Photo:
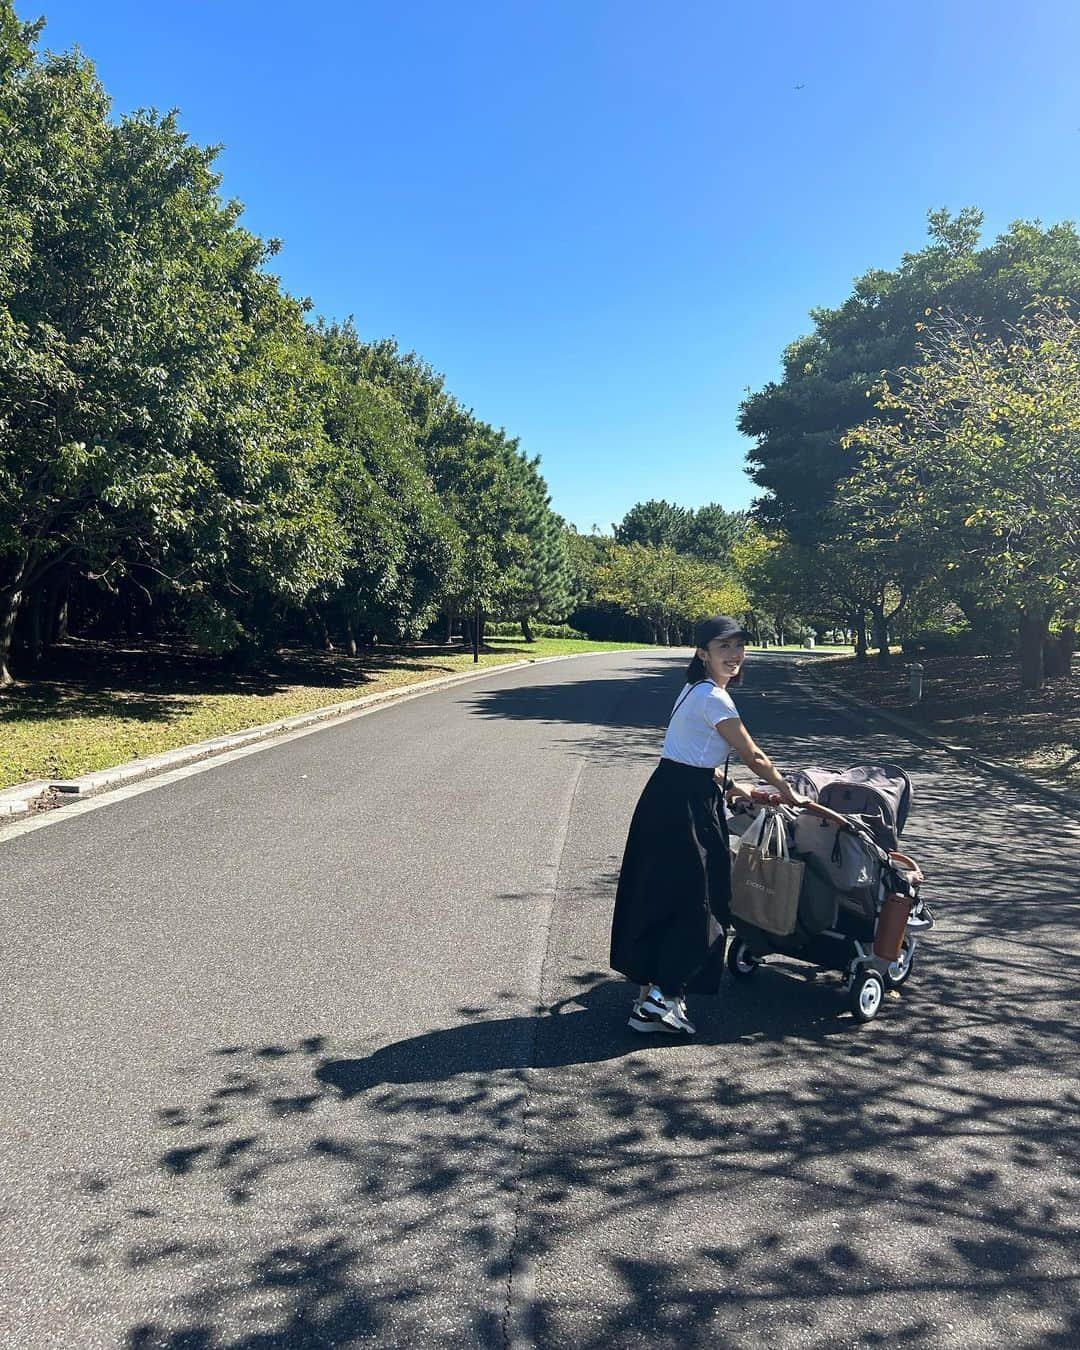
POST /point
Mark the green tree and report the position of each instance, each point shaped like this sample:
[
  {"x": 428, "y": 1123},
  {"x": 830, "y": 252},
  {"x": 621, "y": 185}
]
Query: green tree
[
  {"x": 799, "y": 422},
  {"x": 802, "y": 458},
  {"x": 771, "y": 575},
  {"x": 54, "y": 130},
  {"x": 540, "y": 583},
  {"x": 585, "y": 555},
  {"x": 172, "y": 428},
  {"x": 656, "y": 524},
  {"x": 670, "y": 591},
  {"x": 472, "y": 469},
  {"x": 159, "y": 412},
  {"x": 974, "y": 467},
  {"x": 401, "y": 547},
  {"x": 511, "y": 551},
  {"x": 712, "y": 533}
]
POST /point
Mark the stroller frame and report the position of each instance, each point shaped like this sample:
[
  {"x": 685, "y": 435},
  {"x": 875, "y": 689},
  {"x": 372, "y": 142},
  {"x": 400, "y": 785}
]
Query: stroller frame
[{"x": 847, "y": 946}]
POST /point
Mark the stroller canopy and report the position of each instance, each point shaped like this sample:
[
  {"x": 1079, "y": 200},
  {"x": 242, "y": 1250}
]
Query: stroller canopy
[{"x": 867, "y": 790}]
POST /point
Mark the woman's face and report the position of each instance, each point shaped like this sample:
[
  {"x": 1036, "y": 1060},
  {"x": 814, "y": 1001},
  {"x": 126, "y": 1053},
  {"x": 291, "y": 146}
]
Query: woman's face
[{"x": 723, "y": 657}]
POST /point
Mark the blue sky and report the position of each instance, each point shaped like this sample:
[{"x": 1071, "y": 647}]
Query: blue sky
[{"x": 603, "y": 219}]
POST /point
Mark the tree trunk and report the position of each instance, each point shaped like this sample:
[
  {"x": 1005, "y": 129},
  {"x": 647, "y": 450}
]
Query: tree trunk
[
  {"x": 351, "y": 637},
  {"x": 526, "y": 628},
  {"x": 1033, "y": 635},
  {"x": 11, "y": 599},
  {"x": 881, "y": 638},
  {"x": 321, "y": 629},
  {"x": 1056, "y": 655},
  {"x": 862, "y": 652},
  {"x": 54, "y": 614},
  {"x": 449, "y": 626},
  {"x": 1058, "y": 648},
  {"x": 34, "y": 644},
  {"x": 472, "y": 629},
  {"x": 9, "y": 615}
]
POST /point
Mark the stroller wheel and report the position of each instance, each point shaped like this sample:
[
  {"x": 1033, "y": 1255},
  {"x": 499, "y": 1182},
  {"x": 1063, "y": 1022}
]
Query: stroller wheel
[
  {"x": 866, "y": 995},
  {"x": 741, "y": 961},
  {"x": 900, "y": 969}
]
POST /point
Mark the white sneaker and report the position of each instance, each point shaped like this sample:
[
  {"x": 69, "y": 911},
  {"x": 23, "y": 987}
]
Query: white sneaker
[
  {"x": 680, "y": 1005},
  {"x": 657, "y": 1012}
]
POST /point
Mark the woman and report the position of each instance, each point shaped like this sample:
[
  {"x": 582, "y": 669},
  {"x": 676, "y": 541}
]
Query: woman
[{"x": 668, "y": 930}]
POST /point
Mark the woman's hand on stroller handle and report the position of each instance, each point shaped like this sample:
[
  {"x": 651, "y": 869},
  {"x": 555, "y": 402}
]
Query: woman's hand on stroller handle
[{"x": 769, "y": 796}]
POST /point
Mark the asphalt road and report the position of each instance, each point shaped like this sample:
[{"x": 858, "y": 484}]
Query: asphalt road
[{"x": 319, "y": 1048}]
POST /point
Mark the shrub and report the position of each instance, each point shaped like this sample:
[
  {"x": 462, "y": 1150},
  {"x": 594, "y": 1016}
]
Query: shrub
[
  {"x": 959, "y": 640},
  {"x": 540, "y": 630}
]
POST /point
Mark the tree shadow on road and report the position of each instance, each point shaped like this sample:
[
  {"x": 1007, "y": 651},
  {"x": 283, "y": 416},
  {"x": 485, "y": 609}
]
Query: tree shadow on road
[
  {"x": 899, "y": 1176},
  {"x": 789, "y": 1178},
  {"x": 587, "y": 1028},
  {"x": 625, "y": 700},
  {"x": 628, "y": 710}
]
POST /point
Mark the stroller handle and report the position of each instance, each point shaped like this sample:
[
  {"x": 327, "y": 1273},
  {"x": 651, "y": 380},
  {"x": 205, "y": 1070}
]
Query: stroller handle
[
  {"x": 906, "y": 864},
  {"x": 767, "y": 797},
  {"x": 770, "y": 798}
]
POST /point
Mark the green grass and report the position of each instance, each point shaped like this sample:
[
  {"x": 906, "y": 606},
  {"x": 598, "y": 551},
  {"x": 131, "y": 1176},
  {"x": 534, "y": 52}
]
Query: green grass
[{"x": 97, "y": 706}]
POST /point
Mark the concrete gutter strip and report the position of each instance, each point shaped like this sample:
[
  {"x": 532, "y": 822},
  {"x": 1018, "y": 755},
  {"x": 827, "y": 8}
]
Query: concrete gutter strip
[
  {"x": 1067, "y": 801},
  {"x": 23, "y": 800},
  {"x": 16, "y": 801}
]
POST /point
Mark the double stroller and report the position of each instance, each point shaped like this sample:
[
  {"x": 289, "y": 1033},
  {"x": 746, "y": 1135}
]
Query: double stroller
[{"x": 858, "y": 909}]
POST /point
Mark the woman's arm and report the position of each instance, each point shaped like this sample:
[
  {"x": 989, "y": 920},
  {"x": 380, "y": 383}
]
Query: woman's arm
[{"x": 756, "y": 760}]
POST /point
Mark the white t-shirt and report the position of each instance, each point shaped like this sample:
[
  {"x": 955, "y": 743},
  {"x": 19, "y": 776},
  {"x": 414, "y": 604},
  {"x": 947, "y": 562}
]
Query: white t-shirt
[{"x": 692, "y": 737}]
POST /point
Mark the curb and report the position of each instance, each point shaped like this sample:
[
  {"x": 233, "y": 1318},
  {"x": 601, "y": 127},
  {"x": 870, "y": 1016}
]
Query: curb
[
  {"x": 18, "y": 801},
  {"x": 49, "y": 794},
  {"x": 1066, "y": 801}
]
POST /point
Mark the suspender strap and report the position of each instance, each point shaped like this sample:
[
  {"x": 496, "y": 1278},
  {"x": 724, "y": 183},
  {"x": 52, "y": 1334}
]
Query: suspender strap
[
  {"x": 682, "y": 699},
  {"x": 686, "y": 694}
]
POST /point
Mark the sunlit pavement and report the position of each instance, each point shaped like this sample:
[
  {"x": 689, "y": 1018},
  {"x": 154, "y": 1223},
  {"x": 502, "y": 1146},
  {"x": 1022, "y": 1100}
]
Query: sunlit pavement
[{"x": 319, "y": 1048}]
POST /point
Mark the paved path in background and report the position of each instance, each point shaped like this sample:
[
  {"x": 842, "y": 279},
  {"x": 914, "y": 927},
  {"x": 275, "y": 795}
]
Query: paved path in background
[{"x": 319, "y": 1048}]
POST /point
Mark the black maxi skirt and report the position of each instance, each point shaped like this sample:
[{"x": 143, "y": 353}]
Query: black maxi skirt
[{"x": 672, "y": 904}]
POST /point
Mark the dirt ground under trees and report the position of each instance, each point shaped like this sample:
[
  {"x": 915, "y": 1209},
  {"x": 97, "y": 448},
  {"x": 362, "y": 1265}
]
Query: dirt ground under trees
[{"x": 976, "y": 701}]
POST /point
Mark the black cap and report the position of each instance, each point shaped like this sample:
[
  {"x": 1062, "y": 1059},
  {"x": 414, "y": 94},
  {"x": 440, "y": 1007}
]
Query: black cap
[{"x": 719, "y": 626}]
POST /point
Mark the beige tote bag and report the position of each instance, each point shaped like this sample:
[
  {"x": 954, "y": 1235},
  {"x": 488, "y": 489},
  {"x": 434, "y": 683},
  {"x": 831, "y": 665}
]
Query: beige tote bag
[{"x": 765, "y": 881}]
